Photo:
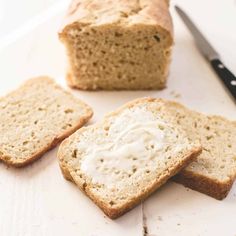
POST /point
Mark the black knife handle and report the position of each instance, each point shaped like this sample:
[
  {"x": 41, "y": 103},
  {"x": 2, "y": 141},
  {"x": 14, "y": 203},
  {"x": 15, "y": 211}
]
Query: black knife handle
[{"x": 225, "y": 75}]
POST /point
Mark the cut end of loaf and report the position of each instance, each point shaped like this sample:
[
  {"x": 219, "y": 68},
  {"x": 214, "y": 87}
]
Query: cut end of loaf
[
  {"x": 118, "y": 45},
  {"x": 118, "y": 58}
]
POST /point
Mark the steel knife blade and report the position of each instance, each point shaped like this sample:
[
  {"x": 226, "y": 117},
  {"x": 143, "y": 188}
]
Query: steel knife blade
[{"x": 226, "y": 76}]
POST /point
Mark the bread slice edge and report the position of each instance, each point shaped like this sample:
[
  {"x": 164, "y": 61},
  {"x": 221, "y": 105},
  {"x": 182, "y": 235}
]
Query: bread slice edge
[
  {"x": 211, "y": 187},
  {"x": 114, "y": 213}
]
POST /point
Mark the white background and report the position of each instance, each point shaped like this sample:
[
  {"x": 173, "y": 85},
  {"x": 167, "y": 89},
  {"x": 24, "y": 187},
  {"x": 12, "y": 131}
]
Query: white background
[{"x": 36, "y": 200}]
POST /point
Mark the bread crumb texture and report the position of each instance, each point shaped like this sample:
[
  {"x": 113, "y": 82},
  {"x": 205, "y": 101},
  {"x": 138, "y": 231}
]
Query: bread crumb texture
[
  {"x": 217, "y": 135},
  {"x": 35, "y": 117},
  {"x": 127, "y": 156},
  {"x": 214, "y": 170},
  {"x": 118, "y": 44}
]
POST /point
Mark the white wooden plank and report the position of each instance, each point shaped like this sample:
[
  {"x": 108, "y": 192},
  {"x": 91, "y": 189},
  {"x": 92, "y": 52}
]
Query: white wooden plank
[{"x": 176, "y": 210}]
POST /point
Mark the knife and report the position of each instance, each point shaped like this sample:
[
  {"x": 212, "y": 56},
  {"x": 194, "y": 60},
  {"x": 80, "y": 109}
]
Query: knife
[{"x": 227, "y": 77}]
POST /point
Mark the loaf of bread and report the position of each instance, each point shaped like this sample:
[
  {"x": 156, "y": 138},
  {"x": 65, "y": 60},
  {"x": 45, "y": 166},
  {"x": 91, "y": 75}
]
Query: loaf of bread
[
  {"x": 35, "y": 117},
  {"x": 214, "y": 170},
  {"x": 132, "y": 152},
  {"x": 118, "y": 45}
]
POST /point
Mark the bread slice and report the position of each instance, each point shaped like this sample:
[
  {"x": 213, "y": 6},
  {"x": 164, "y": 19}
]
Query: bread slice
[
  {"x": 214, "y": 170},
  {"x": 35, "y": 117},
  {"x": 123, "y": 159},
  {"x": 114, "y": 45}
]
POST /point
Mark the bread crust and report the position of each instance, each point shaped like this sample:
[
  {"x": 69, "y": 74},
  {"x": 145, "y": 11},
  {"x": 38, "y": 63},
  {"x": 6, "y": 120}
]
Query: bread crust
[
  {"x": 153, "y": 11},
  {"x": 84, "y": 119},
  {"x": 69, "y": 80},
  {"x": 110, "y": 211},
  {"x": 53, "y": 144},
  {"x": 200, "y": 183},
  {"x": 73, "y": 85},
  {"x": 114, "y": 213}
]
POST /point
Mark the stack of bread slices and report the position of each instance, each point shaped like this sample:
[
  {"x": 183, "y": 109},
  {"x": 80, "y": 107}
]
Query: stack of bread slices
[{"x": 137, "y": 148}]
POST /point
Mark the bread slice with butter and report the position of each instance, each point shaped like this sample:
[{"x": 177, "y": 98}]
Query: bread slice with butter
[
  {"x": 123, "y": 159},
  {"x": 35, "y": 117},
  {"x": 214, "y": 170}
]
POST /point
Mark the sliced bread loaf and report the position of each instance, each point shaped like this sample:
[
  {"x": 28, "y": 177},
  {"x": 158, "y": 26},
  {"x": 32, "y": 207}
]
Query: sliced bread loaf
[
  {"x": 35, "y": 117},
  {"x": 127, "y": 156},
  {"x": 214, "y": 170},
  {"x": 118, "y": 44}
]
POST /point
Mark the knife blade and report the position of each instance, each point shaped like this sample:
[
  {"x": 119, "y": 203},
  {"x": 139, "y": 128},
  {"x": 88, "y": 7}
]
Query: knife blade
[{"x": 226, "y": 76}]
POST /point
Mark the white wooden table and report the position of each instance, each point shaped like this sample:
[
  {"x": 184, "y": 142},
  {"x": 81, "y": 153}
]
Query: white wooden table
[{"x": 37, "y": 200}]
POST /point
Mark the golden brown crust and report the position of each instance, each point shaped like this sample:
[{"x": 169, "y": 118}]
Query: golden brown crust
[
  {"x": 89, "y": 113},
  {"x": 71, "y": 84},
  {"x": 69, "y": 80},
  {"x": 107, "y": 12},
  {"x": 211, "y": 187}
]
